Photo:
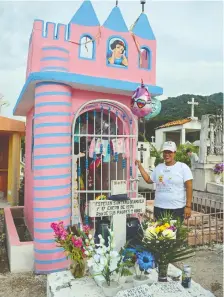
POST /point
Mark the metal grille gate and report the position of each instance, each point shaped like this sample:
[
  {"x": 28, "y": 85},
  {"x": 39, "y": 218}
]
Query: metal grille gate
[{"x": 104, "y": 145}]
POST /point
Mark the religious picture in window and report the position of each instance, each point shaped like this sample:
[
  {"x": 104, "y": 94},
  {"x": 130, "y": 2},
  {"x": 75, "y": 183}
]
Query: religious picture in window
[{"x": 117, "y": 52}]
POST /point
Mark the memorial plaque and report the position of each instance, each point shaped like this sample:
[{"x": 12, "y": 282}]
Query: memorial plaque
[
  {"x": 118, "y": 187},
  {"x": 141, "y": 291},
  {"x": 104, "y": 208}
]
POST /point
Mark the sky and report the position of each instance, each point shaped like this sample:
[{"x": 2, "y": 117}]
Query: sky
[{"x": 189, "y": 38}]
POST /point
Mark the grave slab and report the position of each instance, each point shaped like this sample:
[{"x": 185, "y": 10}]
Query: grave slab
[{"x": 63, "y": 284}]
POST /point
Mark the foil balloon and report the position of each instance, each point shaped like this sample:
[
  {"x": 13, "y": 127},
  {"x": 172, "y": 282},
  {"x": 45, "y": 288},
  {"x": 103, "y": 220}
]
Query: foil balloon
[
  {"x": 141, "y": 103},
  {"x": 156, "y": 108}
]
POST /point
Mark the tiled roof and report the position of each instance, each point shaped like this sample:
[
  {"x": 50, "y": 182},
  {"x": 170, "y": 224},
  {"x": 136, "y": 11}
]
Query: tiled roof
[{"x": 175, "y": 123}]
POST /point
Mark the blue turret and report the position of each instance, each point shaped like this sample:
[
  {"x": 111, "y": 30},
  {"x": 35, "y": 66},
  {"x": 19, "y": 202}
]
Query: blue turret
[
  {"x": 85, "y": 15},
  {"x": 142, "y": 28},
  {"x": 115, "y": 21}
]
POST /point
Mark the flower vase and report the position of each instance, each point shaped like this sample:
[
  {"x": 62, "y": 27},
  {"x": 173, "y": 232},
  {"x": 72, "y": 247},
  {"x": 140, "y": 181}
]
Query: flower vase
[
  {"x": 217, "y": 178},
  {"x": 142, "y": 280},
  {"x": 78, "y": 268},
  {"x": 126, "y": 282},
  {"x": 112, "y": 289},
  {"x": 162, "y": 272}
]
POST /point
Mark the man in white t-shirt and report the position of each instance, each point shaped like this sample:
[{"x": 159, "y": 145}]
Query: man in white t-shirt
[{"x": 173, "y": 184}]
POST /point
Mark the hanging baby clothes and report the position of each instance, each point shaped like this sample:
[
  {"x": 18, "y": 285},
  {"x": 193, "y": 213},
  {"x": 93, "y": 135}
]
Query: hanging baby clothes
[
  {"x": 121, "y": 146},
  {"x": 99, "y": 146}
]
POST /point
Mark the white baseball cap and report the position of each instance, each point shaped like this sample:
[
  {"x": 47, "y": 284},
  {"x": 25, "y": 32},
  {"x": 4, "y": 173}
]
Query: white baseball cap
[{"x": 169, "y": 146}]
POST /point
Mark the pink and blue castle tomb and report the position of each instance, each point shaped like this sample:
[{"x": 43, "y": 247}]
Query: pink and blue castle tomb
[{"x": 80, "y": 131}]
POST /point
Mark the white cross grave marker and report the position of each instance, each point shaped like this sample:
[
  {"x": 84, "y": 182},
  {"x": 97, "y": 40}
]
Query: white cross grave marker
[
  {"x": 152, "y": 137},
  {"x": 192, "y": 103},
  {"x": 118, "y": 210}
]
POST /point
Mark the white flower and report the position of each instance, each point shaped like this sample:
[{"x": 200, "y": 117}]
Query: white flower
[
  {"x": 100, "y": 236},
  {"x": 98, "y": 268},
  {"x": 90, "y": 262},
  {"x": 86, "y": 253},
  {"x": 113, "y": 245},
  {"x": 86, "y": 240},
  {"x": 92, "y": 242},
  {"x": 114, "y": 254},
  {"x": 103, "y": 261},
  {"x": 150, "y": 233},
  {"x": 90, "y": 236},
  {"x": 99, "y": 251},
  {"x": 102, "y": 241},
  {"x": 113, "y": 264},
  {"x": 173, "y": 222},
  {"x": 168, "y": 233}
]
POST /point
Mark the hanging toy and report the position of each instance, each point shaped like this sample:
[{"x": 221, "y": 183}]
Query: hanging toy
[{"x": 141, "y": 103}]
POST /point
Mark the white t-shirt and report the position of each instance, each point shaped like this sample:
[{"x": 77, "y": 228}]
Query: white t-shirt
[{"x": 170, "y": 188}]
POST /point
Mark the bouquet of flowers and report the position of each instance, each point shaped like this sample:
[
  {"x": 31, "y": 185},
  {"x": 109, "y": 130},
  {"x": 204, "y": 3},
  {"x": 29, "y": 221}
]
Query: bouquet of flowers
[
  {"x": 104, "y": 260},
  {"x": 218, "y": 169},
  {"x": 72, "y": 240},
  {"x": 166, "y": 240},
  {"x": 101, "y": 197}
]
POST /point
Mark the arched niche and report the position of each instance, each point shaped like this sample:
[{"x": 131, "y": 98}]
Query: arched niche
[
  {"x": 145, "y": 57},
  {"x": 87, "y": 47}
]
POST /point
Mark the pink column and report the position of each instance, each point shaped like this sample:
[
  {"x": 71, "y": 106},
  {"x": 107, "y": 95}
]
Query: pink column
[{"x": 52, "y": 172}]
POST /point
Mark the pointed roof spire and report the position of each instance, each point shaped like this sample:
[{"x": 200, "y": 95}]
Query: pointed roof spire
[
  {"x": 142, "y": 28},
  {"x": 85, "y": 15},
  {"x": 115, "y": 21}
]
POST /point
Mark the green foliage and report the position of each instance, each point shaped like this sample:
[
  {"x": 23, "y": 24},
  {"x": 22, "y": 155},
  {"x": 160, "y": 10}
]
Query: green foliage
[
  {"x": 157, "y": 154},
  {"x": 181, "y": 154},
  {"x": 22, "y": 192},
  {"x": 171, "y": 110},
  {"x": 168, "y": 250}
]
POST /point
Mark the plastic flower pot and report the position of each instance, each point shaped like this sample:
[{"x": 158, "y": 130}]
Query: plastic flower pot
[
  {"x": 143, "y": 280},
  {"x": 162, "y": 272},
  {"x": 78, "y": 268},
  {"x": 218, "y": 178},
  {"x": 126, "y": 282},
  {"x": 112, "y": 290}
]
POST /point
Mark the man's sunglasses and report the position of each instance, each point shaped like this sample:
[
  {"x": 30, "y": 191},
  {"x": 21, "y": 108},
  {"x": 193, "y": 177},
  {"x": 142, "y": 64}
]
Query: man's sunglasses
[{"x": 140, "y": 102}]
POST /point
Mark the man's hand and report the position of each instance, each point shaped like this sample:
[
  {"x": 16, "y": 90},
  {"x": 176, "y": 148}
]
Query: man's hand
[{"x": 187, "y": 212}]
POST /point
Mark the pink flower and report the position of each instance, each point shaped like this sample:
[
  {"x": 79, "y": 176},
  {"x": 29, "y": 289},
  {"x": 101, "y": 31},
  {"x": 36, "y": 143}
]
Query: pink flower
[
  {"x": 86, "y": 228},
  {"x": 77, "y": 241},
  {"x": 59, "y": 230}
]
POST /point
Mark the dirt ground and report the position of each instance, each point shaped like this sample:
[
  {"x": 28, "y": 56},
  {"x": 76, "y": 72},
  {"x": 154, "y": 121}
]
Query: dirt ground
[{"x": 207, "y": 270}]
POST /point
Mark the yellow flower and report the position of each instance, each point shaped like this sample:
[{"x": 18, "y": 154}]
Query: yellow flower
[
  {"x": 157, "y": 229},
  {"x": 162, "y": 228},
  {"x": 101, "y": 197},
  {"x": 167, "y": 225}
]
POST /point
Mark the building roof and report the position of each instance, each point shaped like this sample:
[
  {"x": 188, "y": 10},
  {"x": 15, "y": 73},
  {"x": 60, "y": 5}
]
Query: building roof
[
  {"x": 115, "y": 21},
  {"x": 142, "y": 28},
  {"x": 175, "y": 123},
  {"x": 85, "y": 15},
  {"x": 11, "y": 125}
]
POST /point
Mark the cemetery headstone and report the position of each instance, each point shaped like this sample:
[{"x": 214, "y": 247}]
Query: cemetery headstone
[{"x": 118, "y": 211}]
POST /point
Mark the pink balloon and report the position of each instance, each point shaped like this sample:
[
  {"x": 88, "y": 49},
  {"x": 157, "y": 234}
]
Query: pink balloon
[{"x": 141, "y": 103}]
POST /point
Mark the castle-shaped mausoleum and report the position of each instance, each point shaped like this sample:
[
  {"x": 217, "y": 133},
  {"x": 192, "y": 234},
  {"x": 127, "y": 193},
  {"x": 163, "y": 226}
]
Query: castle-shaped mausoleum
[{"x": 80, "y": 131}]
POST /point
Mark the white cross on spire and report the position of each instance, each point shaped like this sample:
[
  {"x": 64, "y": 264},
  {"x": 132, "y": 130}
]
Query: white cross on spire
[{"x": 192, "y": 103}]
